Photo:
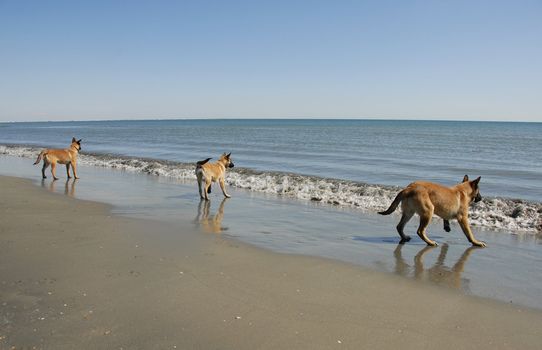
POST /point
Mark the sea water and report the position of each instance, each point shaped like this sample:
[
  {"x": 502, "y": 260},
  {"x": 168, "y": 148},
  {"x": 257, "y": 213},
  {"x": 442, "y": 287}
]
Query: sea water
[{"x": 359, "y": 164}]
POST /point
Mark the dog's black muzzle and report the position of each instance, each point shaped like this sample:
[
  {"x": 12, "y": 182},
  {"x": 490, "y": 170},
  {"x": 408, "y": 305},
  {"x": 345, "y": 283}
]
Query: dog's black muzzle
[
  {"x": 477, "y": 198},
  {"x": 231, "y": 165}
]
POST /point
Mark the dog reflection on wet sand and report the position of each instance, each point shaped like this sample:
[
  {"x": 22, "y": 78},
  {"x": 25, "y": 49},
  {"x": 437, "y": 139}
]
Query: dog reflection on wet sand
[
  {"x": 439, "y": 273},
  {"x": 208, "y": 223},
  {"x": 69, "y": 190}
]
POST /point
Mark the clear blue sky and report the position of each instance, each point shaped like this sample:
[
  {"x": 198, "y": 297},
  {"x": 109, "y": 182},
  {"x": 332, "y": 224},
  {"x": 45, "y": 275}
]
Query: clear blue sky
[{"x": 80, "y": 60}]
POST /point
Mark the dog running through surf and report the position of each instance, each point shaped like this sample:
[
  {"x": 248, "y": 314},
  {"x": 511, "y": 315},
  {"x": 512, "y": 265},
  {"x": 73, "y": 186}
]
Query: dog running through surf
[{"x": 207, "y": 173}]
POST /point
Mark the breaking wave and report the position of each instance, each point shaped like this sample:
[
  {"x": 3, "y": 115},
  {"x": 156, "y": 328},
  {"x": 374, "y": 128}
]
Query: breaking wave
[{"x": 492, "y": 212}]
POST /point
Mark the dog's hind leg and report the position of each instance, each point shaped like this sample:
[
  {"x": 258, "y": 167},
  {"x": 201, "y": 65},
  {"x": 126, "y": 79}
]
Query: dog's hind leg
[
  {"x": 207, "y": 188},
  {"x": 425, "y": 210},
  {"x": 199, "y": 178},
  {"x": 425, "y": 219},
  {"x": 68, "y": 170},
  {"x": 199, "y": 189},
  {"x": 407, "y": 215},
  {"x": 45, "y": 166}
]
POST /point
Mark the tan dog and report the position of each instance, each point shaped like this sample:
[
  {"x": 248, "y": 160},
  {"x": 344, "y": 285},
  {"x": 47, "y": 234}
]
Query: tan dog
[
  {"x": 207, "y": 173},
  {"x": 426, "y": 199},
  {"x": 66, "y": 156}
]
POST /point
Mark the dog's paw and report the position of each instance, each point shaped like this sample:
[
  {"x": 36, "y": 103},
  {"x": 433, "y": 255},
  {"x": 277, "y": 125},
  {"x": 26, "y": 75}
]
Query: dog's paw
[
  {"x": 404, "y": 240},
  {"x": 479, "y": 244},
  {"x": 432, "y": 243}
]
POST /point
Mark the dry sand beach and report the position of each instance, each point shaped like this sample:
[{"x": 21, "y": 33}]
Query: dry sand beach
[{"x": 75, "y": 276}]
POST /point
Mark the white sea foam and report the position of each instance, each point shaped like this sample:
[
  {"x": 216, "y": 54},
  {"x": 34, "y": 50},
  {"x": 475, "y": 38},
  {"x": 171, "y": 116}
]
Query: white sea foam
[{"x": 494, "y": 213}]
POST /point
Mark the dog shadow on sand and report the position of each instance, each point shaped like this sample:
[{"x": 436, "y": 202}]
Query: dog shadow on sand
[
  {"x": 210, "y": 223},
  {"x": 69, "y": 186},
  {"x": 438, "y": 273}
]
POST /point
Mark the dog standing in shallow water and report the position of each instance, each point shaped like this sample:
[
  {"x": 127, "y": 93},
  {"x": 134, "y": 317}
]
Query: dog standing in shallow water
[
  {"x": 426, "y": 199},
  {"x": 66, "y": 156},
  {"x": 208, "y": 173}
]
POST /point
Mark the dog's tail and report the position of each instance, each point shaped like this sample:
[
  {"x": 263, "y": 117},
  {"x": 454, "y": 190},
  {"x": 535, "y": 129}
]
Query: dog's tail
[
  {"x": 201, "y": 162},
  {"x": 394, "y": 204},
  {"x": 42, "y": 154}
]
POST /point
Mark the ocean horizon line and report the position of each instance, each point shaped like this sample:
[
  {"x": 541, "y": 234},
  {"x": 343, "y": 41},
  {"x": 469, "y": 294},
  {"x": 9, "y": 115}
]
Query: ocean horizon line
[{"x": 274, "y": 119}]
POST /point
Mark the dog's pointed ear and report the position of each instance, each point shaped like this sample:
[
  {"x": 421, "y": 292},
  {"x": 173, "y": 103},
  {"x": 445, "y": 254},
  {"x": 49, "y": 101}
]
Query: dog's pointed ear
[
  {"x": 73, "y": 140},
  {"x": 476, "y": 181},
  {"x": 79, "y": 141},
  {"x": 228, "y": 155},
  {"x": 465, "y": 178}
]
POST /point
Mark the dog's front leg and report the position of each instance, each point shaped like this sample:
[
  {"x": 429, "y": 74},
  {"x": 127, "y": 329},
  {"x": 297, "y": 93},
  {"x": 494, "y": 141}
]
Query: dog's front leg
[
  {"x": 223, "y": 187},
  {"x": 53, "y": 171},
  {"x": 464, "y": 223},
  {"x": 68, "y": 170},
  {"x": 74, "y": 170}
]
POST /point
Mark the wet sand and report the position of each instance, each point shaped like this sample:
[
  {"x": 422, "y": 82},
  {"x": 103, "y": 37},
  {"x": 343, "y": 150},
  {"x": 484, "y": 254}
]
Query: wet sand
[
  {"x": 75, "y": 276},
  {"x": 503, "y": 272}
]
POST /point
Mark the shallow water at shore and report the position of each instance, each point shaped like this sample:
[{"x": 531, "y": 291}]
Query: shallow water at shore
[
  {"x": 492, "y": 212},
  {"x": 507, "y": 270}
]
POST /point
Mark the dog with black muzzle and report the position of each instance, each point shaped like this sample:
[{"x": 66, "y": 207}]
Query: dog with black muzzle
[
  {"x": 426, "y": 199},
  {"x": 207, "y": 173},
  {"x": 66, "y": 156}
]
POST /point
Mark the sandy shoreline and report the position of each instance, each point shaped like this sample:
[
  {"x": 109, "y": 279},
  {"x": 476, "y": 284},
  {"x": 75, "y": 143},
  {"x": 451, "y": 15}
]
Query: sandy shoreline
[{"x": 73, "y": 276}]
